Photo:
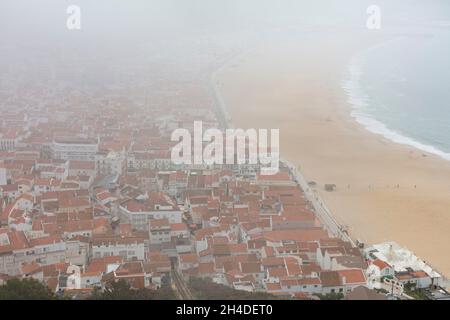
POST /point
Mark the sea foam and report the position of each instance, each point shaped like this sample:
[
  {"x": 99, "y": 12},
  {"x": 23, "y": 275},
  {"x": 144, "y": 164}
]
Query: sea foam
[{"x": 360, "y": 103}]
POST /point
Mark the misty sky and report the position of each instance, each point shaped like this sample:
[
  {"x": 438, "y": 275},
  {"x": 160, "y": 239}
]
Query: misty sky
[
  {"x": 121, "y": 19},
  {"x": 127, "y": 30}
]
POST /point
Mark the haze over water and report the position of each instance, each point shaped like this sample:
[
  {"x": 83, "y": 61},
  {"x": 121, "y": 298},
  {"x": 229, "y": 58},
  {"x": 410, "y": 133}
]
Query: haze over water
[{"x": 401, "y": 89}]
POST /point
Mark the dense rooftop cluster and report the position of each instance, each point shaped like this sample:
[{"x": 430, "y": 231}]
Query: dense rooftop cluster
[{"x": 89, "y": 195}]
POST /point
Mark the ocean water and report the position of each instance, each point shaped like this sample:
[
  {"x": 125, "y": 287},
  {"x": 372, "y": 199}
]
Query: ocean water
[{"x": 401, "y": 89}]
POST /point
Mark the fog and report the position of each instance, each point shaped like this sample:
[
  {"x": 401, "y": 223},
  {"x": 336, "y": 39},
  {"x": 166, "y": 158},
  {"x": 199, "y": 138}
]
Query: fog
[{"x": 144, "y": 32}]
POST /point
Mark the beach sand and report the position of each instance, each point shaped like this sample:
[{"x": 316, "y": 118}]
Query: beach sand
[{"x": 294, "y": 84}]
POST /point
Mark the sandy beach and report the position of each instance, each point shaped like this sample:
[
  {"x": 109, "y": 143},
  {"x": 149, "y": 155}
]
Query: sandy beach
[{"x": 385, "y": 191}]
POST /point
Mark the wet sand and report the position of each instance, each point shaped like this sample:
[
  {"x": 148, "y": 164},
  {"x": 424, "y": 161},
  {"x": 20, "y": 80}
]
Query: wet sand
[{"x": 385, "y": 191}]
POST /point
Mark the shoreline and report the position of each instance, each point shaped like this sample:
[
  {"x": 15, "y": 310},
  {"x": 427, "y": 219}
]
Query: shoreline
[
  {"x": 357, "y": 99},
  {"x": 353, "y": 154}
]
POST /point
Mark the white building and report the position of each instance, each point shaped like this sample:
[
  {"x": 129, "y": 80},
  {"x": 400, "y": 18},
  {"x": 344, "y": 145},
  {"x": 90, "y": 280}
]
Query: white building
[
  {"x": 77, "y": 252},
  {"x": 75, "y": 149},
  {"x": 139, "y": 214},
  {"x": 3, "y": 176},
  {"x": 129, "y": 248},
  {"x": 159, "y": 231},
  {"x": 111, "y": 163},
  {"x": 82, "y": 280},
  {"x": 48, "y": 250},
  {"x": 159, "y": 161},
  {"x": 15, "y": 250},
  {"x": 7, "y": 143},
  {"x": 404, "y": 261},
  {"x": 81, "y": 168}
]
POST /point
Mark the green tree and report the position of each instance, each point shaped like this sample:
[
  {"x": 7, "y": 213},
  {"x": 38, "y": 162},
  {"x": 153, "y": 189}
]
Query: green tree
[
  {"x": 121, "y": 290},
  {"x": 331, "y": 296},
  {"x": 206, "y": 289},
  {"x": 25, "y": 289}
]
